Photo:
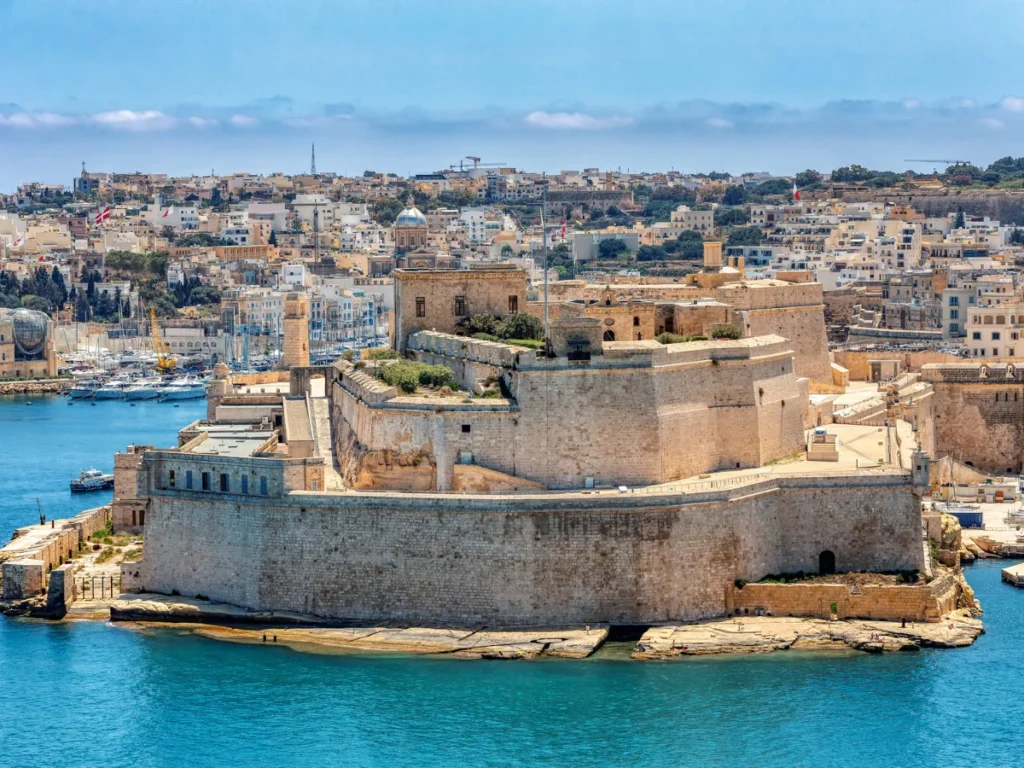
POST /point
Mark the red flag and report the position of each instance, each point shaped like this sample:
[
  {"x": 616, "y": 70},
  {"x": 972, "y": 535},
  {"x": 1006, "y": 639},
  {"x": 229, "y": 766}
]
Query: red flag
[
  {"x": 103, "y": 215},
  {"x": 796, "y": 193},
  {"x": 563, "y": 229}
]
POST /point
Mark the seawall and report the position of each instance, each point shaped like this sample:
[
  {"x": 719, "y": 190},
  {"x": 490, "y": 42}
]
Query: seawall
[{"x": 529, "y": 559}]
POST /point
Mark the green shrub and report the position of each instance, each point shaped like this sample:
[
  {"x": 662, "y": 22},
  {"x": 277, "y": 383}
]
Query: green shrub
[
  {"x": 485, "y": 337},
  {"x": 408, "y": 375},
  {"x": 530, "y": 343},
  {"x": 491, "y": 394},
  {"x": 382, "y": 354},
  {"x": 675, "y": 338},
  {"x": 520, "y": 325},
  {"x": 349, "y": 355},
  {"x": 726, "y": 332},
  {"x": 481, "y": 323}
]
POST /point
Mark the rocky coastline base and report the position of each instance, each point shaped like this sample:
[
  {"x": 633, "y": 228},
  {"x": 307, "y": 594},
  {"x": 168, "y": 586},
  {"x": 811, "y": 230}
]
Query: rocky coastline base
[{"x": 35, "y": 387}]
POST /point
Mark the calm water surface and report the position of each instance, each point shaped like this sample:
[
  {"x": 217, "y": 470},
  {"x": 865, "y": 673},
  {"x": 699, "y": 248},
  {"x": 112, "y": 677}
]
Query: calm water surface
[{"x": 89, "y": 694}]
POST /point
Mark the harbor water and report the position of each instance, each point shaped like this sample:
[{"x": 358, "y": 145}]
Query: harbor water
[{"x": 92, "y": 694}]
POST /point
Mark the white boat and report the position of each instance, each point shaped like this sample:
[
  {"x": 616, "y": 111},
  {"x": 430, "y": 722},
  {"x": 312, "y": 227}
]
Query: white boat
[
  {"x": 92, "y": 480},
  {"x": 112, "y": 390},
  {"x": 84, "y": 389},
  {"x": 146, "y": 389},
  {"x": 185, "y": 388}
]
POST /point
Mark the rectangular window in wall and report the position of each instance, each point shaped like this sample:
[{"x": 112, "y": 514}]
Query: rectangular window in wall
[
  {"x": 245, "y": 483},
  {"x": 263, "y": 485},
  {"x": 188, "y": 479},
  {"x": 225, "y": 485},
  {"x": 513, "y": 303},
  {"x": 460, "y": 306},
  {"x": 170, "y": 478},
  {"x": 421, "y": 306},
  {"x": 206, "y": 481}
]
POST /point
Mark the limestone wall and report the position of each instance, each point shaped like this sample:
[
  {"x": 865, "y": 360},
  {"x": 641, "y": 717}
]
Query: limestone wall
[
  {"x": 539, "y": 559},
  {"x": 928, "y": 602}
]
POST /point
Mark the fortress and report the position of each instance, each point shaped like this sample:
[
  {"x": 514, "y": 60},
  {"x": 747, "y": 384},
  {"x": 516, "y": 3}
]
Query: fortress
[{"x": 591, "y": 481}]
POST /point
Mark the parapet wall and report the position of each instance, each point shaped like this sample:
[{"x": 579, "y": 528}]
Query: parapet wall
[{"x": 524, "y": 559}]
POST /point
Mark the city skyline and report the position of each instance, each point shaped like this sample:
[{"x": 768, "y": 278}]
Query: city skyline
[{"x": 777, "y": 87}]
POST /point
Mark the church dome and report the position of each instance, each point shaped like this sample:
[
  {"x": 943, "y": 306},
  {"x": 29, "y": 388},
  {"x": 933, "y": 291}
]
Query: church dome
[{"x": 411, "y": 217}]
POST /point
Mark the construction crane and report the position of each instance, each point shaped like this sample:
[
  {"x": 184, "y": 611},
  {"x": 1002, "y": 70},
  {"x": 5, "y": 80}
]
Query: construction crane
[
  {"x": 164, "y": 363},
  {"x": 947, "y": 162},
  {"x": 476, "y": 164}
]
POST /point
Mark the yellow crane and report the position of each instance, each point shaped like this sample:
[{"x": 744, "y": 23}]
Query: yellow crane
[{"x": 164, "y": 363}]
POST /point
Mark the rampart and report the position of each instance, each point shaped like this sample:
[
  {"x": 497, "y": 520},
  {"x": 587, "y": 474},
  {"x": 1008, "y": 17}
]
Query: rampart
[
  {"x": 979, "y": 414},
  {"x": 633, "y": 413},
  {"x": 670, "y": 554}
]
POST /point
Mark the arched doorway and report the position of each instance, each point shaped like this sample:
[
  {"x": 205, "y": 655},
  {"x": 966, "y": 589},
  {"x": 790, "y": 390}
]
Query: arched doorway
[
  {"x": 609, "y": 335},
  {"x": 826, "y": 563}
]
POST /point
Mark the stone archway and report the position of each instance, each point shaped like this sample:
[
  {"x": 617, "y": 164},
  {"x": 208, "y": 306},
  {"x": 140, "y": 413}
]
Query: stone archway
[
  {"x": 826, "y": 563},
  {"x": 609, "y": 335}
]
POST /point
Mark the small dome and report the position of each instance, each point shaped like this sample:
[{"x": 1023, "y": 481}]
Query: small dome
[
  {"x": 411, "y": 217},
  {"x": 29, "y": 330}
]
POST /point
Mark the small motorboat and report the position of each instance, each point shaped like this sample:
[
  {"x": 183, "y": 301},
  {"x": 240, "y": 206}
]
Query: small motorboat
[
  {"x": 92, "y": 480},
  {"x": 84, "y": 389}
]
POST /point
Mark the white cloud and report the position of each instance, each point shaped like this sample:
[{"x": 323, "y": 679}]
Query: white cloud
[
  {"x": 575, "y": 121},
  {"x": 201, "y": 122},
  {"x": 1012, "y": 104},
  {"x": 36, "y": 120},
  {"x": 129, "y": 120},
  {"x": 719, "y": 122},
  {"x": 909, "y": 104},
  {"x": 991, "y": 122},
  {"x": 243, "y": 121}
]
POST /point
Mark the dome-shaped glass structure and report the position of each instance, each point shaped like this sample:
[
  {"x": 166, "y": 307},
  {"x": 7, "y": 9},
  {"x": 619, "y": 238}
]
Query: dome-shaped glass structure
[{"x": 29, "y": 331}]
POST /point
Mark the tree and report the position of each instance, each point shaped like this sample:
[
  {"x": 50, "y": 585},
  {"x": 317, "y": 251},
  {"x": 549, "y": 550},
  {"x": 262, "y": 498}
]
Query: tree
[
  {"x": 807, "y": 178},
  {"x": 734, "y": 195},
  {"x": 1017, "y": 236},
  {"x": 745, "y": 236},
  {"x": 731, "y": 217},
  {"x": 37, "y": 303},
  {"x": 273, "y": 238},
  {"x": 482, "y": 323},
  {"x": 726, "y": 332},
  {"x": 773, "y": 187},
  {"x": 959, "y": 222},
  {"x": 520, "y": 325},
  {"x": 651, "y": 253},
  {"x": 851, "y": 174},
  {"x": 612, "y": 248}
]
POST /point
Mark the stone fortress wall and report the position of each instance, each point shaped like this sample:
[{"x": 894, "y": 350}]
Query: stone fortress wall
[
  {"x": 636, "y": 413},
  {"x": 979, "y": 414},
  {"x": 527, "y": 559}
]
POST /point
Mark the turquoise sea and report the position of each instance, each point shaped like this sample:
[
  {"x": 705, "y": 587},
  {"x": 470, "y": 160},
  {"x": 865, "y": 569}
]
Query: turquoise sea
[{"x": 87, "y": 694}]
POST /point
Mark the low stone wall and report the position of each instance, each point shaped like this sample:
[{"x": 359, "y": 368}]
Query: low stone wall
[
  {"x": 22, "y": 578},
  {"x": 926, "y": 602},
  {"x": 35, "y": 387},
  {"x": 61, "y": 592},
  {"x": 265, "y": 377}
]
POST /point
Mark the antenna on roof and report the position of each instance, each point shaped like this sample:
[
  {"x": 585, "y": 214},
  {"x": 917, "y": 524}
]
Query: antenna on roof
[{"x": 312, "y": 160}]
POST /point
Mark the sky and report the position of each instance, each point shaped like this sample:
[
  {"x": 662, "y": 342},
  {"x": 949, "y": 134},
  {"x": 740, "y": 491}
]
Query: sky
[{"x": 410, "y": 87}]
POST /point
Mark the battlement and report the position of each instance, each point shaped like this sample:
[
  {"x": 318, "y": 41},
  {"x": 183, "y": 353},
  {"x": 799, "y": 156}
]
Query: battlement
[{"x": 973, "y": 373}]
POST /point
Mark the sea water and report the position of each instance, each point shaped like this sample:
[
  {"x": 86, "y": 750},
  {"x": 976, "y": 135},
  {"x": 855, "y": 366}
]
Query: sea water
[{"x": 89, "y": 694}]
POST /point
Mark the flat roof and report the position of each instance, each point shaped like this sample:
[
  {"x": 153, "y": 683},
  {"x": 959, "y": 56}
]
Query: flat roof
[{"x": 236, "y": 440}]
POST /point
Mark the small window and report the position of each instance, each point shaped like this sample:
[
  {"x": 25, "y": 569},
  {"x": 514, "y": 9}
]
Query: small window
[
  {"x": 245, "y": 483},
  {"x": 460, "y": 306},
  {"x": 225, "y": 485},
  {"x": 421, "y": 306},
  {"x": 206, "y": 481},
  {"x": 263, "y": 485},
  {"x": 513, "y": 303},
  {"x": 466, "y": 429},
  {"x": 170, "y": 478},
  {"x": 188, "y": 479}
]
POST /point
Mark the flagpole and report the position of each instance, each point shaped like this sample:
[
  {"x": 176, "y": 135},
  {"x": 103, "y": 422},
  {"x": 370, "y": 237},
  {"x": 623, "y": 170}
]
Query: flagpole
[{"x": 544, "y": 235}]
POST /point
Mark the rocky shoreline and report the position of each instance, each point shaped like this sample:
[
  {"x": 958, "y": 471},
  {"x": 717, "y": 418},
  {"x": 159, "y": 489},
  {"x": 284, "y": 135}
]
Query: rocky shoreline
[
  {"x": 727, "y": 636},
  {"x": 36, "y": 387}
]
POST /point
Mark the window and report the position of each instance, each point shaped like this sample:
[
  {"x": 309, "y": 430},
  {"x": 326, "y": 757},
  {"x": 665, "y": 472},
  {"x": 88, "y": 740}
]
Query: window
[
  {"x": 954, "y": 314},
  {"x": 224, "y": 484},
  {"x": 421, "y": 306},
  {"x": 995, "y": 335},
  {"x": 976, "y": 335},
  {"x": 245, "y": 483},
  {"x": 460, "y": 306},
  {"x": 188, "y": 479},
  {"x": 263, "y": 485},
  {"x": 170, "y": 478},
  {"x": 467, "y": 428},
  {"x": 954, "y": 301},
  {"x": 954, "y": 327},
  {"x": 206, "y": 481},
  {"x": 513, "y": 303}
]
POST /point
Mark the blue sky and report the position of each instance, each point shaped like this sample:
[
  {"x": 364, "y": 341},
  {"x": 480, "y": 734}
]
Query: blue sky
[{"x": 777, "y": 85}]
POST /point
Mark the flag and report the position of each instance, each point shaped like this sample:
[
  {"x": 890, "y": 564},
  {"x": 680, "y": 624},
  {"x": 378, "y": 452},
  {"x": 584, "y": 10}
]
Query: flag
[
  {"x": 563, "y": 229},
  {"x": 796, "y": 193},
  {"x": 167, "y": 212},
  {"x": 19, "y": 242},
  {"x": 103, "y": 215}
]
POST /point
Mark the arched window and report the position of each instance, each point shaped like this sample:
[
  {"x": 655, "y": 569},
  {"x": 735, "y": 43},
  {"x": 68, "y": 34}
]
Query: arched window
[
  {"x": 636, "y": 322},
  {"x": 1000, "y": 320},
  {"x": 609, "y": 335}
]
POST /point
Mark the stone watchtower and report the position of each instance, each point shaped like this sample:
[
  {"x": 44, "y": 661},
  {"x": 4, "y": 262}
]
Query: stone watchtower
[{"x": 296, "y": 331}]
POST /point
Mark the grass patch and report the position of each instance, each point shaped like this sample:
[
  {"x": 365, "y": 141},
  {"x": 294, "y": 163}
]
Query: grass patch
[
  {"x": 408, "y": 375},
  {"x": 676, "y": 338}
]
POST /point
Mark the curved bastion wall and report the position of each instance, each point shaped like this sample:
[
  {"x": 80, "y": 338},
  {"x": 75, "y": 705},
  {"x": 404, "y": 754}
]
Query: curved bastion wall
[{"x": 525, "y": 559}]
